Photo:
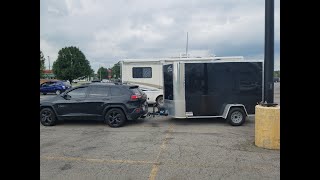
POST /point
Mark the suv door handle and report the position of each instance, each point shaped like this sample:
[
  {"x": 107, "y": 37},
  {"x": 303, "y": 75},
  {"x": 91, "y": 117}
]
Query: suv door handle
[{"x": 106, "y": 99}]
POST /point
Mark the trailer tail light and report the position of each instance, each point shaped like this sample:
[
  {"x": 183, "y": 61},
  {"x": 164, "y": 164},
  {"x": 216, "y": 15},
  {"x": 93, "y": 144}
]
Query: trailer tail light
[{"x": 135, "y": 97}]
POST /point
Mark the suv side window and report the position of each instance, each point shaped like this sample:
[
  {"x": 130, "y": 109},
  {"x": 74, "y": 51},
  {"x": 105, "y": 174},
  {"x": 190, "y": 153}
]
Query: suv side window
[
  {"x": 78, "y": 93},
  {"x": 49, "y": 83},
  {"x": 116, "y": 91},
  {"x": 98, "y": 91},
  {"x": 53, "y": 84}
]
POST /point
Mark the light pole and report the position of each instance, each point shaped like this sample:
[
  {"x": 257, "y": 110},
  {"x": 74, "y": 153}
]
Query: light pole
[
  {"x": 49, "y": 62},
  {"x": 100, "y": 72},
  {"x": 269, "y": 52},
  {"x": 71, "y": 65}
]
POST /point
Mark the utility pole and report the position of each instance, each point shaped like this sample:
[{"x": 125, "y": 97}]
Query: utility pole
[
  {"x": 269, "y": 52},
  {"x": 71, "y": 63},
  {"x": 49, "y": 62},
  {"x": 100, "y": 72}
]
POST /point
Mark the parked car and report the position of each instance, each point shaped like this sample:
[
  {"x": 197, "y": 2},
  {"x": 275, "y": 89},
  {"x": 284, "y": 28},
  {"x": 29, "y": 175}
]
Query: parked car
[
  {"x": 105, "y": 80},
  {"x": 54, "y": 87},
  {"x": 111, "y": 103},
  {"x": 154, "y": 95}
]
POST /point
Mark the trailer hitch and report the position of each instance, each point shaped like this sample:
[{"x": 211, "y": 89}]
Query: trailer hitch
[{"x": 161, "y": 111}]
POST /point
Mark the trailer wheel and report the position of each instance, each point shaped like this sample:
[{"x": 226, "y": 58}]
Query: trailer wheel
[{"x": 236, "y": 116}]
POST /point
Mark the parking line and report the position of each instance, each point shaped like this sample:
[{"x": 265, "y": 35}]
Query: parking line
[
  {"x": 155, "y": 164},
  {"x": 155, "y": 167},
  {"x": 96, "y": 160}
]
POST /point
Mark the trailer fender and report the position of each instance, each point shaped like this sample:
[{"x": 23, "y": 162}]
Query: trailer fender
[{"x": 229, "y": 106}]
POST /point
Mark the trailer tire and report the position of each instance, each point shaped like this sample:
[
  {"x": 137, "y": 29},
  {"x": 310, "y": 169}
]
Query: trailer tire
[{"x": 236, "y": 116}]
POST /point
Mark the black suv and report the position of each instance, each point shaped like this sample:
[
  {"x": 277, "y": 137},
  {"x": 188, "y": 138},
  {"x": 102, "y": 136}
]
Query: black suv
[{"x": 112, "y": 103}]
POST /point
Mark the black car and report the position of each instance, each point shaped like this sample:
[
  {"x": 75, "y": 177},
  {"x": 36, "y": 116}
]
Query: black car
[{"x": 111, "y": 103}]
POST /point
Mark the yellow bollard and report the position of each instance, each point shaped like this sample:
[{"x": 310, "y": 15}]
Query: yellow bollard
[{"x": 267, "y": 127}]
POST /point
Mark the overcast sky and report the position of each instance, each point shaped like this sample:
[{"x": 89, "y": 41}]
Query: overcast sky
[{"x": 108, "y": 31}]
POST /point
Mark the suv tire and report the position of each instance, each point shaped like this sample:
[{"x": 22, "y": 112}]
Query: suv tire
[
  {"x": 115, "y": 118},
  {"x": 47, "y": 117}
]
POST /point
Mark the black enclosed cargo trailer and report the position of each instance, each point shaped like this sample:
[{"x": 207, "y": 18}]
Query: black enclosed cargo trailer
[{"x": 220, "y": 88}]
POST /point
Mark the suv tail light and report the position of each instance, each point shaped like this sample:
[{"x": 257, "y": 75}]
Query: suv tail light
[{"x": 135, "y": 97}]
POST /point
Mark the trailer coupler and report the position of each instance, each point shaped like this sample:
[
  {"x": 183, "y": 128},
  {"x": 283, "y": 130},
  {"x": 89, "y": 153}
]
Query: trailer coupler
[{"x": 160, "y": 112}]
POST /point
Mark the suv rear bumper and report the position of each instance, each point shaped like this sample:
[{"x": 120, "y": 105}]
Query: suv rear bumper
[{"x": 138, "y": 112}]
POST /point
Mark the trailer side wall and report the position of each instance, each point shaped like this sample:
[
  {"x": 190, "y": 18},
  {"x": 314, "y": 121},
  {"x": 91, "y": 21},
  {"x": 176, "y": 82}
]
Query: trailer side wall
[{"x": 210, "y": 86}]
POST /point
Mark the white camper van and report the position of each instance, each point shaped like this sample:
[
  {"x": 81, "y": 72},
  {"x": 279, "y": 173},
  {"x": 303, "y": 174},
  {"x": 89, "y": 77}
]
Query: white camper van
[{"x": 149, "y": 72}]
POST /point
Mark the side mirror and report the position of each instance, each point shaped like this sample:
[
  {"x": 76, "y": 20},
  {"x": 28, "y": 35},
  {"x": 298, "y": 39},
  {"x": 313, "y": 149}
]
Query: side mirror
[{"x": 66, "y": 96}]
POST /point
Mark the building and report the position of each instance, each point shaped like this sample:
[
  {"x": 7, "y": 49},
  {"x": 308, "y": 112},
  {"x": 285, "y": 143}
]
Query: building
[{"x": 48, "y": 74}]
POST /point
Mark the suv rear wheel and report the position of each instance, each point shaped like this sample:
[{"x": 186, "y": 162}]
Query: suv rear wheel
[{"x": 115, "y": 118}]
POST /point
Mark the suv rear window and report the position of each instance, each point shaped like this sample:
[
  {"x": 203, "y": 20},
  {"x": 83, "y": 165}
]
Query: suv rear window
[{"x": 136, "y": 91}]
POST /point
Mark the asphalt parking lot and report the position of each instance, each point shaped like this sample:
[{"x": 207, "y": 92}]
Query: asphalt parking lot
[{"x": 156, "y": 148}]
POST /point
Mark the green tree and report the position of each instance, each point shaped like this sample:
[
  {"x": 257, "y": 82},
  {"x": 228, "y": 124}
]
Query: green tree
[
  {"x": 42, "y": 66},
  {"x": 71, "y": 64},
  {"x": 91, "y": 73},
  {"x": 103, "y": 72},
  {"x": 116, "y": 70}
]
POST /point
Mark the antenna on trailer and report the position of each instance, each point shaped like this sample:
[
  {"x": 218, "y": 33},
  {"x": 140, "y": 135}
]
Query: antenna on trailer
[{"x": 187, "y": 46}]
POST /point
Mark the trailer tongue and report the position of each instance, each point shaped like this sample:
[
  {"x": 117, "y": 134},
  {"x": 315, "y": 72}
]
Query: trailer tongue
[{"x": 161, "y": 111}]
